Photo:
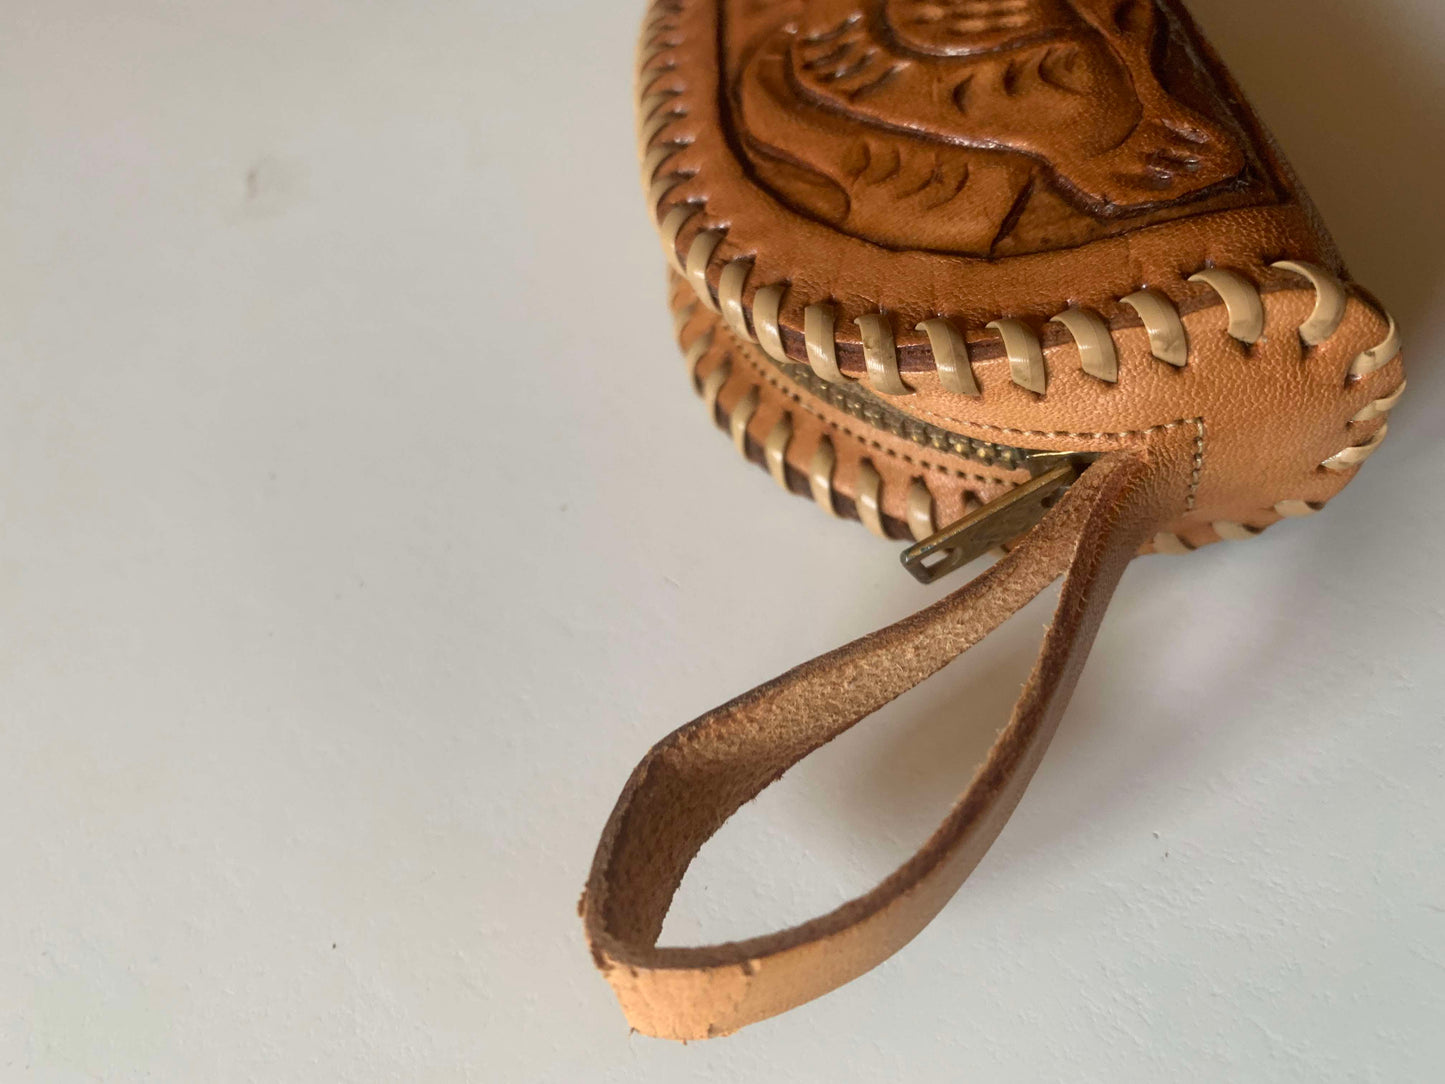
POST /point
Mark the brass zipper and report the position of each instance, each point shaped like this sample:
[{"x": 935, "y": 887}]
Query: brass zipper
[
  {"x": 861, "y": 404},
  {"x": 1001, "y": 520}
]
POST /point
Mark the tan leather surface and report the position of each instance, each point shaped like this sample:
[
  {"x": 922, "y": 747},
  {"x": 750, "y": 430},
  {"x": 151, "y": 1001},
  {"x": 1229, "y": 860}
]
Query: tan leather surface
[
  {"x": 1047, "y": 111},
  {"x": 1265, "y": 416},
  {"x": 1195, "y": 183},
  {"x": 693, "y": 780},
  {"x": 954, "y": 482},
  {"x": 829, "y": 260},
  {"x": 827, "y": 176}
]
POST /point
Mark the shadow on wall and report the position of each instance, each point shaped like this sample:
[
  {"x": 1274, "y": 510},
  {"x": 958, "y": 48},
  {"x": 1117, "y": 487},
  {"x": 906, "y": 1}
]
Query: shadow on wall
[{"x": 1358, "y": 105}]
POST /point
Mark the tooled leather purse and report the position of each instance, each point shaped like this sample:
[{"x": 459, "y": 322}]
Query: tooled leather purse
[{"x": 973, "y": 272}]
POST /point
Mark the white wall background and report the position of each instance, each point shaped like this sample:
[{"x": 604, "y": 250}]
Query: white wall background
[{"x": 342, "y": 582}]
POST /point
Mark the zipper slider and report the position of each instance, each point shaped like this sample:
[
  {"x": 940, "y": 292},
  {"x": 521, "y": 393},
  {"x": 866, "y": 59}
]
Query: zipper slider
[{"x": 1001, "y": 520}]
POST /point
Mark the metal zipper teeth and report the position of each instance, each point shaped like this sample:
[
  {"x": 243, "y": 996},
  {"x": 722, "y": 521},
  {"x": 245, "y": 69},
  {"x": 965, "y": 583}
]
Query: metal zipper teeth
[{"x": 861, "y": 404}]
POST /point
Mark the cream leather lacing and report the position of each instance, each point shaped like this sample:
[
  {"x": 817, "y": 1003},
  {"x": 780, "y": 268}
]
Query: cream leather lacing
[
  {"x": 868, "y": 498},
  {"x": 1091, "y": 333},
  {"x": 919, "y": 501}
]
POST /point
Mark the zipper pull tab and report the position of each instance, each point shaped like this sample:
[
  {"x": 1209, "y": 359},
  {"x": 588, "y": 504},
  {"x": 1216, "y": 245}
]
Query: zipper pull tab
[{"x": 999, "y": 521}]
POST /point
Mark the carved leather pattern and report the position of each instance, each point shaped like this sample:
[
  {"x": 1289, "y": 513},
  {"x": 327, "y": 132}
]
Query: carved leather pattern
[{"x": 982, "y": 127}]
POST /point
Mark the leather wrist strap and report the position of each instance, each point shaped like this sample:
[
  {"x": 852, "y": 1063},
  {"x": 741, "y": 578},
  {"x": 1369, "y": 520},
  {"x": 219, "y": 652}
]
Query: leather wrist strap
[{"x": 692, "y": 781}]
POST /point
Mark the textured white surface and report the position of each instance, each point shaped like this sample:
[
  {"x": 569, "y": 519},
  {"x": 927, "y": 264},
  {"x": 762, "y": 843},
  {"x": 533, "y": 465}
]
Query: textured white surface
[{"x": 343, "y": 582}]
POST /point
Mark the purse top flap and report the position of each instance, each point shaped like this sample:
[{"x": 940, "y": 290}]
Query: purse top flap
[{"x": 972, "y": 158}]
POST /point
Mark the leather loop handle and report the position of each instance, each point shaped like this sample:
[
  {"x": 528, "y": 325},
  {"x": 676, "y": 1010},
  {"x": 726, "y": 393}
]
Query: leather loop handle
[{"x": 692, "y": 781}]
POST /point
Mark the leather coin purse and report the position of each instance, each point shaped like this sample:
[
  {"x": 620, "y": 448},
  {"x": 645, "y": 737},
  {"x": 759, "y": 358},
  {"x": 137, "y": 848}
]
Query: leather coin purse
[{"x": 975, "y": 273}]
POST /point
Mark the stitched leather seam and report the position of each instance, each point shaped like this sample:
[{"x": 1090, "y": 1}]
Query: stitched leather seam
[
  {"x": 1169, "y": 340},
  {"x": 1093, "y": 336},
  {"x": 1051, "y": 434},
  {"x": 1196, "y": 473}
]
